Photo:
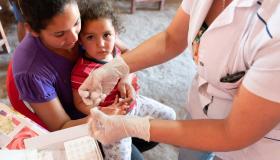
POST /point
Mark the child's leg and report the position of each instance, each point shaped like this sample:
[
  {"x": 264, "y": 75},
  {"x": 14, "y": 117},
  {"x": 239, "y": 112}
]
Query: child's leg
[
  {"x": 120, "y": 150},
  {"x": 149, "y": 107}
]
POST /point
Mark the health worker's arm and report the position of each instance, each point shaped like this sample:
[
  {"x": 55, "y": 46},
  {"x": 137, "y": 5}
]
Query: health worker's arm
[{"x": 161, "y": 47}]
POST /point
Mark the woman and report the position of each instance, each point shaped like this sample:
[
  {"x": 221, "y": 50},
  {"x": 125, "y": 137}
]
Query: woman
[
  {"x": 234, "y": 101},
  {"x": 43, "y": 61}
]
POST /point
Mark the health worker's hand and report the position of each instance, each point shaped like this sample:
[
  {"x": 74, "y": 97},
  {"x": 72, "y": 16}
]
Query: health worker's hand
[
  {"x": 101, "y": 127},
  {"x": 101, "y": 81}
]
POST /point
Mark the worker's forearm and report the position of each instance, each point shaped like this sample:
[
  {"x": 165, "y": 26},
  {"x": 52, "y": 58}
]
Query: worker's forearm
[
  {"x": 206, "y": 135},
  {"x": 154, "y": 51}
]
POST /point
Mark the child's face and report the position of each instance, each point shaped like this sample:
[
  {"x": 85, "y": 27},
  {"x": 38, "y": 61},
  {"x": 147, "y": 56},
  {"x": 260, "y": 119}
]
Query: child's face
[
  {"x": 63, "y": 29},
  {"x": 98, "y": 38}
]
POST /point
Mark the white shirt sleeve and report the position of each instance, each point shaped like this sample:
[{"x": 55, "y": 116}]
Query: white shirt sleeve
[
  {"x": 263, "y": 76},
  {"x": 186, "y": 6}
]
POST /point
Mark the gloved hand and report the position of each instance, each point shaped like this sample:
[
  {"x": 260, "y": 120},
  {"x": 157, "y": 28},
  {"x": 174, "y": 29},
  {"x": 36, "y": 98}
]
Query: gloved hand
[
  {"x": 109, "y": 129},
  {"x": 101, "y": 81}
]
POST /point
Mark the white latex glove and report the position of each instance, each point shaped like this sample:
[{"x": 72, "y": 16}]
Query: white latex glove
[
  {"x": 101, "y": 81},
  {"x": 109, "y": 129}
]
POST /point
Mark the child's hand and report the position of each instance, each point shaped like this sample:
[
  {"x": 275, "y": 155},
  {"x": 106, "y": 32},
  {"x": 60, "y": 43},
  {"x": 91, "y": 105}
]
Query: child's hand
[
  {"x": 117, "y": 108},
  {"x": 122, "y": 88},
  {"x": 127, "y": 91},
  {"x": 130, "y": 94}
]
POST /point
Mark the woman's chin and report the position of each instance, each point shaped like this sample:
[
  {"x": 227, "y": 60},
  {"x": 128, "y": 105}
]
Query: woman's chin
[{"x": 69, "y": 46}]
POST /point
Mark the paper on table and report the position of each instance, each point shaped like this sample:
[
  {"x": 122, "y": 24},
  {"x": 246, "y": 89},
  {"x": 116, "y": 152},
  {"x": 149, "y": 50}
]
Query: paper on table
[{"x": 14, "y": 128}]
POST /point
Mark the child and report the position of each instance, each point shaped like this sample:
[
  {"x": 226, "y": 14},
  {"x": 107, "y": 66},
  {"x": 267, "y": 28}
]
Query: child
[{"x": 98, "y": 37}]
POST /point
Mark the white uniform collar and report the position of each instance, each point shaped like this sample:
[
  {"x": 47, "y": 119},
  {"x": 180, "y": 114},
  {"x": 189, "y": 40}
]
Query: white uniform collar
[
  {"x": 200, "y": 9},
  {"x": 246, "y": 3},
  {"x": 227, "y": 16}
]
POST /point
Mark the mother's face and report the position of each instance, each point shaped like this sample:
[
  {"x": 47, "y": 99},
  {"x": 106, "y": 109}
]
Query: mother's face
[{"x": 63, "y": 29}]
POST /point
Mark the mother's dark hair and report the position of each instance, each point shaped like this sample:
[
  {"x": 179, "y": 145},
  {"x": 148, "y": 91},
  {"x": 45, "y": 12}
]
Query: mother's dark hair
[{"x": 38, "y": 13}]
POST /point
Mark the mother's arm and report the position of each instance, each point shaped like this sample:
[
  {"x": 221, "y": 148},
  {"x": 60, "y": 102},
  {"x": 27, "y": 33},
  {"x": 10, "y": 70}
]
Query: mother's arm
[{"x": 54, "y": 116}]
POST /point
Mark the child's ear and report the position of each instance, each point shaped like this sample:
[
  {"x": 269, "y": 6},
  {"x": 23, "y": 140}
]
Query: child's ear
[{"x": 30, "y": 30}]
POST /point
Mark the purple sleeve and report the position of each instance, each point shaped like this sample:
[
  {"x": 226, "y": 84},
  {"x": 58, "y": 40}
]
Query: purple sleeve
[{"x": 35, "y": 89}]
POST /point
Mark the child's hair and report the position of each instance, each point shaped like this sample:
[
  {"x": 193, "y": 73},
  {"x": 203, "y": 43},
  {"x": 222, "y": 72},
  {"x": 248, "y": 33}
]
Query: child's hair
[
  {"x": 96, "y": 9},
  {"x": 38, "y": 13}
]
